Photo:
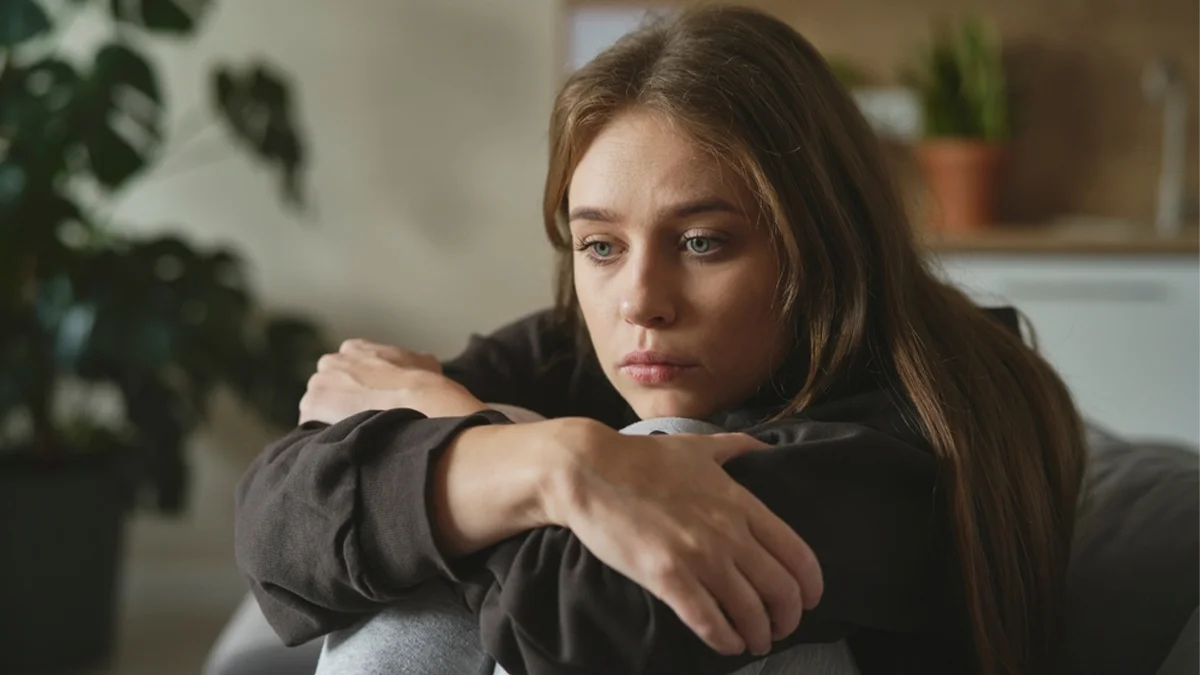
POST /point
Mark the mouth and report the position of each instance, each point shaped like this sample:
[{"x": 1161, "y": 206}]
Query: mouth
[{"x": 651, "y": 368}]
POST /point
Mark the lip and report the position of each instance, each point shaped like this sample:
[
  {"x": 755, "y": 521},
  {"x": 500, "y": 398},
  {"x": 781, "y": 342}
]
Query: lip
[
  {"x": 650, "y": 368},
  {"x": 652, "y": 358}
]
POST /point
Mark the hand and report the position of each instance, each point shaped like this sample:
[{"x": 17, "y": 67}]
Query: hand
[
  {"x": 661, "y": 511},
  {"x": 368, "y": 376},
  {"x": 397, "y": 356}
]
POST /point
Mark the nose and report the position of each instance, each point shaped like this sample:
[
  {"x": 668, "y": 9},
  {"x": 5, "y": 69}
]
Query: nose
[{"x": 648, "y": 293}]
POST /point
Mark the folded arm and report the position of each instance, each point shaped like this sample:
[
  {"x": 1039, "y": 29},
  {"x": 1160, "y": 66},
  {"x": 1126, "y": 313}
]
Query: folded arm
[
  {"x": 333, "y": 521},
  {"x": 863, "y": 501}
]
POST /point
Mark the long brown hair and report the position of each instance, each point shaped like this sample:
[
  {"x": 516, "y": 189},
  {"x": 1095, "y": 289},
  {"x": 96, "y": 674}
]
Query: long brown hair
[{"x": 760, "y": 98}]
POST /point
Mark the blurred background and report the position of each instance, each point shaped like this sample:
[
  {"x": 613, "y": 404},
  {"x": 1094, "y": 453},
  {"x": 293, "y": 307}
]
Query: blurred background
[{"x": 198, "y": 196}]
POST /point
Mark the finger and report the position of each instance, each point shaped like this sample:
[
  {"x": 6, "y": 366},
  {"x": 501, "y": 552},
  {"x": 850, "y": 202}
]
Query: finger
[
  {"x": 698, "y": 610},
  {"x": 775, "y": 585},
  {"x": 352, "y": 345},
  {"x": 368, "y": 348},
  {"x": 331, "y": 362},
  {"x": 745, "y": 609},
  {"x": 790, "y": 550},
  {"x": 728, "y": 446},
  {"x": 398, "y": 356}
]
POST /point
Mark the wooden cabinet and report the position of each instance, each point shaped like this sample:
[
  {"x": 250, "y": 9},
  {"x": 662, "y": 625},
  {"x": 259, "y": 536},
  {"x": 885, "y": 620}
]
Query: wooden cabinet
[{"x": 1123, "y": 331}]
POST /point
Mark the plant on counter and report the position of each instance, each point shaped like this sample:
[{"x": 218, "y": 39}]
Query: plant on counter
[{"x": 960, "y": 80}]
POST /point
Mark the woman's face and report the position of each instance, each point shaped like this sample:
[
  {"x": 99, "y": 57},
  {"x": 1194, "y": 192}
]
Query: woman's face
[{"x": 674, "y": 278}]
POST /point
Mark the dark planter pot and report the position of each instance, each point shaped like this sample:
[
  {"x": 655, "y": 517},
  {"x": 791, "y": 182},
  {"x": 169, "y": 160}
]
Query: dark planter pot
[{"x": 61, "y": 526}]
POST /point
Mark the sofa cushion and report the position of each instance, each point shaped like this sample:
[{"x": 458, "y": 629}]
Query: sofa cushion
[{"x": 1134, "y": 578}]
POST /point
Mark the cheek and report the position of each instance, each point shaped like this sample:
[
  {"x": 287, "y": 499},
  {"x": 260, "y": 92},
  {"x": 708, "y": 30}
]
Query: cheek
[
  {"x": 740, "y": 314},
  {"x": 589, "y": 291}
]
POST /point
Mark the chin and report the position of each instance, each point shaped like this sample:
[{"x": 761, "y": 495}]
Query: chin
[{"x": 658, "y": 403}]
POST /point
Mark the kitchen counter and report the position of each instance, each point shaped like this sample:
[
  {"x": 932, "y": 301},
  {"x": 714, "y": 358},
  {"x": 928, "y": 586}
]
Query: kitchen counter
[{"x": 1089, "y": 238}]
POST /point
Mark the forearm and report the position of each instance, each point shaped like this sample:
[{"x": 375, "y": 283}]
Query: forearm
[
  {"x": 335, "y": 521},
  {"x": 495, "y": 482}
]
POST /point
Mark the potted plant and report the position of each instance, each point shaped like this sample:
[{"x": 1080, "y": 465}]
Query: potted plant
[
  {"x": 111, "y": 346},
  {"x": 959, "y": 78}
]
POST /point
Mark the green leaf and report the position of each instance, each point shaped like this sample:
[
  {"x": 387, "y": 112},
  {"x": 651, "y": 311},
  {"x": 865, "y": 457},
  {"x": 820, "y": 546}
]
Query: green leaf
[
  {"x": 166, "y": 16},
  {"x": 19, "y": 363},
  {"x": 280, "y": 366},
  {"x": 36, "y": 105},
  {"x": 256, "y": 105},
  {"x": 114, "y": 160},
  {"x": 959, "y": 77},
  {"x": 52, "y": 301},
  {"x": 120, "y": 114},
  {"x": 12, "y": 185},
  {"x": 127, "y": 340},
  {"x": 73, "y": 335},
  {"x": 21, "y": 20},
  {"x": 117, "y": 64},
  {"x": 31, "y": 232}
]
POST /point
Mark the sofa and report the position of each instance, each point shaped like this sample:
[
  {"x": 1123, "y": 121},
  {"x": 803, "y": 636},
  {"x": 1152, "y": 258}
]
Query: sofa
[{"x": 1132, "y": 592}]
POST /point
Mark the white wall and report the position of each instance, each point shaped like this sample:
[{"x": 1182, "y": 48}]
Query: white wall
[{"x": 426, "y": 122}]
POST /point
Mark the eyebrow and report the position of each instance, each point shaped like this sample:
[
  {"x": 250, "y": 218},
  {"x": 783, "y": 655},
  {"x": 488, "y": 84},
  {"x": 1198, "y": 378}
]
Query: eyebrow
[{"x": 678, "y": 211}]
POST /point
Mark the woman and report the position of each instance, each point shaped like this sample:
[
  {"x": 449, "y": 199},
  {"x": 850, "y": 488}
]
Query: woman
[{"x": 731, "y": 249}]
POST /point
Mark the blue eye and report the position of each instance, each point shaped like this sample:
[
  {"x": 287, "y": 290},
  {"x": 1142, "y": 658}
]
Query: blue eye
[
  {"x": 601, "y": 249},
  {"x": 700, "y": 245}
]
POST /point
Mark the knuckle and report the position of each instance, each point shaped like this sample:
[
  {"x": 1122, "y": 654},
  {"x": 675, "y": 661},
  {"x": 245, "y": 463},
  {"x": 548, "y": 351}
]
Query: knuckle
[
  {"x": 706, "y": 628},
  {"x": 783, "y": 592},
  {"x": 350, "y": 344},
  {"x": 699, "y": 551},
  {"x": 394, "y": 351},
  {"x": 663, "y": 570},
  {"x": 316, "y": 382}
]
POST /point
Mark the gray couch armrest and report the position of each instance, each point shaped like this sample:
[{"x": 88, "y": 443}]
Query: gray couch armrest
[{"x": 248, "y": 646}]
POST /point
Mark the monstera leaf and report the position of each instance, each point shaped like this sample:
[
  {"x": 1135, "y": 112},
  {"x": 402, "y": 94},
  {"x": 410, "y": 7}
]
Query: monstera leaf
[
  {"x": 12, "y": 184},
  {"x": 258, "y": 109},
  {"x": 37, "y": 101},
  {"x": 281, "y": 361},
  {"x": 166, "y": 16},
  {"x": 21, "y": 20},
  {"x": 158, "y": 321},
  {"x": 120, "y": 114},
  {"x": 18, "y": 359},
  {"x": 40, "y": 227}
]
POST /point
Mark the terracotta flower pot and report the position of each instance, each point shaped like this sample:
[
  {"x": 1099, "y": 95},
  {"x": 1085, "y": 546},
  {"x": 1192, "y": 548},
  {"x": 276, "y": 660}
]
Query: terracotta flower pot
[{"x": 963, "y": 176}]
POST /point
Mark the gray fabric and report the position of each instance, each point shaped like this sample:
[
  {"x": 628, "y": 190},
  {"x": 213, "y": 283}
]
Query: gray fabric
[
  {"x": 248, "y": 646},
  {"x": 432, "y": 634},
  {"x": 1184, "y": 658},
  {"x": 1134, "y": 578}
]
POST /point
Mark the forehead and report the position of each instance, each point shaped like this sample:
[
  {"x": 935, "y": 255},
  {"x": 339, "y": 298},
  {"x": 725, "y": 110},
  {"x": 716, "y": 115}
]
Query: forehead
[{"x": 642, "y": 158}]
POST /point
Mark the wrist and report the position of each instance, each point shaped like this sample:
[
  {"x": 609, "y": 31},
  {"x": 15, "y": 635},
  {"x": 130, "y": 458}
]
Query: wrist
[
  {"x": 561, "y": 448},
  {"x": 433, "y": 395}
]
